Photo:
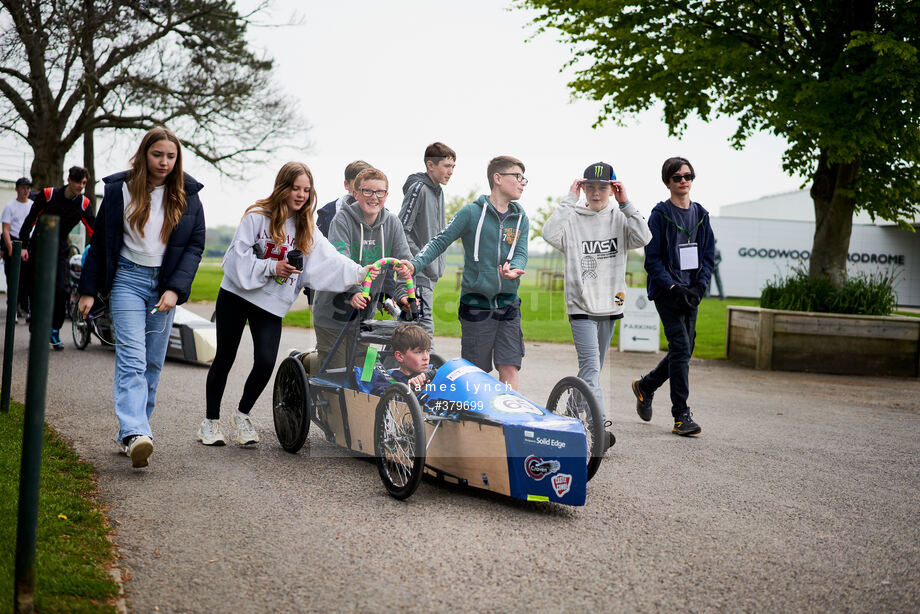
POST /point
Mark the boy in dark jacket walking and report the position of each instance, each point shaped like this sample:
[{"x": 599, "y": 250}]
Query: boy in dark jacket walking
[
  {"x": 679, "y": 261},
  {"x": 68, "y": 203}
]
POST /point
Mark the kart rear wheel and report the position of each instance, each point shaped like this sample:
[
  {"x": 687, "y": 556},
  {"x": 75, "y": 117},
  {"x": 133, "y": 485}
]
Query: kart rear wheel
[
  {"x": 291, "y": 405},
  {"x": 80, "y": 329},
  {"x": 573, "y": 398},
  {"x": 399, "y": 441}
]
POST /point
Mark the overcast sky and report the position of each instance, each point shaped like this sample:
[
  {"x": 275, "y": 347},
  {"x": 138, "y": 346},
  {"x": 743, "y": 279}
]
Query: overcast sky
[{"x": 381, "y": 80}]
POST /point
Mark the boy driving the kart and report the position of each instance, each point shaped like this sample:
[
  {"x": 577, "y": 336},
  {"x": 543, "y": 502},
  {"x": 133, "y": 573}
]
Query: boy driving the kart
[{"x": 411, "y": 345}]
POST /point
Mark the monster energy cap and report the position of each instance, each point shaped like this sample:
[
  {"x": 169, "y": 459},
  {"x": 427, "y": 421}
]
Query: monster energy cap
[{"x": 600, "y": 172}]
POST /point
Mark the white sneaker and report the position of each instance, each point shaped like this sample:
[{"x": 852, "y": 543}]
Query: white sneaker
[
  {"x": 210, "y": 434},
  {"x": 246, "y": 433},
  {"x": 140, "y": 449}
]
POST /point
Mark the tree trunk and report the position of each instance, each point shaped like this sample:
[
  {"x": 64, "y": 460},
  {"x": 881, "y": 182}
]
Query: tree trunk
[
  {"x": 47, "y": 164},
  {"x": 834, "y": 209},
  {"x": 89, "y": 80}
]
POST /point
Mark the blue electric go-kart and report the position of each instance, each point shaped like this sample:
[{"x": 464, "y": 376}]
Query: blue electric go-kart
[{"x": 465, "y": 427}]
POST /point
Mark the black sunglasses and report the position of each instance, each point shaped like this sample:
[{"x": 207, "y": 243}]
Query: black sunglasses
[{"x": 686, "y": 176}]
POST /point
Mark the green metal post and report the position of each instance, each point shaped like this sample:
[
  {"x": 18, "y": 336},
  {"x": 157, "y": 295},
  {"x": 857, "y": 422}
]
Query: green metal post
[
  {"x": 44, "y": 259},
  {"x": 12, "y": 301}
]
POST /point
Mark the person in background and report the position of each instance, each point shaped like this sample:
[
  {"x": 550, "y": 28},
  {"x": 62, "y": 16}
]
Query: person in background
[
  {"x": 68, "y": 203},
  {"x": 12, "y": 218}
]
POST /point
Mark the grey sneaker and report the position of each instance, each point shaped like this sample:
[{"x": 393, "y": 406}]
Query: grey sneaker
[
  {"x": 210, "y": 433},
  {"x": 139, "y": 448},
  {"x": 684, "y": 424},
  {"x": 246, "y": 433},
  {"x": 643, "y": 402}
]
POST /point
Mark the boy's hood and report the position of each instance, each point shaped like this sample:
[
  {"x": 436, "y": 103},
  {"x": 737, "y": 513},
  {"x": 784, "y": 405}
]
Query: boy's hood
[
  {"x": 513, "y": 206},
  {"x": 584, "y": 210},
  {"x": 424, "y": 178},
  {"x": 662, "y": 207}
]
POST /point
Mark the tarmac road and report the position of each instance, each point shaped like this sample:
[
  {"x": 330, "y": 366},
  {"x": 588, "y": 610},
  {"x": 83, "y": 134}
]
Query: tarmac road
[{"x": 801, "y": 494}]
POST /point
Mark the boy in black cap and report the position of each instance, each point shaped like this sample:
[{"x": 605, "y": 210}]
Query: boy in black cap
[
  {"x": 595, "y": 239},
  {"x": 13, "y": 215}
]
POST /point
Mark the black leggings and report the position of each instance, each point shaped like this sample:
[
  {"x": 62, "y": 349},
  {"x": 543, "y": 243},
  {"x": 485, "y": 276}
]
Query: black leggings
[{"x": 232, "y": 313}]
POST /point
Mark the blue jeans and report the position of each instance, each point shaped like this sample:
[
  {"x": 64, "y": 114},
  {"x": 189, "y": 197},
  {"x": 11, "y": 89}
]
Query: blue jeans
[
  {"x": 592, "y": 340},
  {"x": 141, "y": 339},
  {"x": 679, "y": 322}
]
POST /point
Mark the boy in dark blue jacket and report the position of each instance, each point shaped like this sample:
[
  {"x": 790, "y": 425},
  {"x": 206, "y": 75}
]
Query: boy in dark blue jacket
[{"x": 679, "y": 261}]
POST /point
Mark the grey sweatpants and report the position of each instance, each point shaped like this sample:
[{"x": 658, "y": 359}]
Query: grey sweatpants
[{"x": 592, "y": 340}]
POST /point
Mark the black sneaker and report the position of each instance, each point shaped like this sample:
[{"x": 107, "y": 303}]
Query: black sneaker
[
  {"x": 643, "y": 402},
  {"x": 684, "y": 425}
]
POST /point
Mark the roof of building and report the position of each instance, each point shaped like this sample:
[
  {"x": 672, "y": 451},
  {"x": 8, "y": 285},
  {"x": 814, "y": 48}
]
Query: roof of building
[{"x": 794, "y": 206}]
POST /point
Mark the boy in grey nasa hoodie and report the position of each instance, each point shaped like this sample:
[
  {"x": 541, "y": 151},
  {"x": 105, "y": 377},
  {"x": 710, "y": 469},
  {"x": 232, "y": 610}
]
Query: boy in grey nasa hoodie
[
  {"x": 364, "y": 231},
  {"x": 595, "y": 239}
]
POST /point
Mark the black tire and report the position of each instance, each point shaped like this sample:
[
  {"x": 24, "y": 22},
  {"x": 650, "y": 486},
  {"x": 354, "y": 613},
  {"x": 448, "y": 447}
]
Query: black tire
[
  {"x": 105, "y": 328},
  {"x": 435, "y": 361},
  {"x": 572, "y": 397},
  {"x": 399, "y": 441},
  {"x": 80, "y": 329},
  {"x": 291, "y": 405}
]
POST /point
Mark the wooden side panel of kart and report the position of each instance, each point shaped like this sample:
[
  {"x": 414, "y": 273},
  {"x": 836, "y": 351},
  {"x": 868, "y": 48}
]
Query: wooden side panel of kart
[
  {"x": 460, "y": 450},
  {"x": 470, "y": 451}
]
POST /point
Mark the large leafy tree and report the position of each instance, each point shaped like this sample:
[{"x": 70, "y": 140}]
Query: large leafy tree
[
  {"x": 69, "y": 68},
  {"x": 838, "y": 79}
]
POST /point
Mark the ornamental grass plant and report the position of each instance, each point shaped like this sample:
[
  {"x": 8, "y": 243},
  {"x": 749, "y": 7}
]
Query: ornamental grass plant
[{"x": 861, "y": 294}]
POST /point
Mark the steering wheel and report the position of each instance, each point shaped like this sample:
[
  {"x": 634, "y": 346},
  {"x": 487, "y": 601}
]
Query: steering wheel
[{"x": 410, "y": 285}]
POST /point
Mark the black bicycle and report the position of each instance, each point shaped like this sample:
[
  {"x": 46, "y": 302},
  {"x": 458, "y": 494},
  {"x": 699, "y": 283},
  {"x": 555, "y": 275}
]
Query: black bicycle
[{"x": 98, "y": 323}]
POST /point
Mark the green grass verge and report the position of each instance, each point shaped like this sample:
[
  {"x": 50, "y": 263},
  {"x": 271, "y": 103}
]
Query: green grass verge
[
  {"x": 542, "y": 312},
  {"x": 72, "y": 547}
]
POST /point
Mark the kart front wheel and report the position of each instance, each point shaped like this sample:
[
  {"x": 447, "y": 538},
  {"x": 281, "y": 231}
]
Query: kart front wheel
[
  {"x": 573, "y": 398},
  {"x": 399, "y": 441},
  {"x": 80, "y": 328},
  {"x": 291, "y": 405}
]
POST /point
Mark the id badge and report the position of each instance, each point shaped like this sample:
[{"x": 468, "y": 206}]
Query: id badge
[{"x": 689, "y": 256}]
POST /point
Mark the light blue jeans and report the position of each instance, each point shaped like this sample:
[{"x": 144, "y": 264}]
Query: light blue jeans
[
  {"x": 592, "y": 340},
  {"x": 141, "y": 339}
]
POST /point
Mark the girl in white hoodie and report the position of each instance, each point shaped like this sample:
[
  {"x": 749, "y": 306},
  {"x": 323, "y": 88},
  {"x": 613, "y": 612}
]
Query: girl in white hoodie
[
  {"x": 260, "y": 285},
  {"x": 595, "y": 239}
]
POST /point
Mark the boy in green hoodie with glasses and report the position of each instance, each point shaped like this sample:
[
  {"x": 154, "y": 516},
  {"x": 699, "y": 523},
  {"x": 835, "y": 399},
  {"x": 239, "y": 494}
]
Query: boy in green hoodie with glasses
[{"x": 494, "y": 230}]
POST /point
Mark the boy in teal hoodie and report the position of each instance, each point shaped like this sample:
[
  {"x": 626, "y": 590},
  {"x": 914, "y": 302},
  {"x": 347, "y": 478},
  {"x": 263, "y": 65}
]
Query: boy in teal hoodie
[{"x": 494, "y": 231}]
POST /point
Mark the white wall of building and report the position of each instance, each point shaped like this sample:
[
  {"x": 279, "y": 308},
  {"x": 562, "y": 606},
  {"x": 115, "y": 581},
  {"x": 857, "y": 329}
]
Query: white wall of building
[{"x": 756, "y": 250}]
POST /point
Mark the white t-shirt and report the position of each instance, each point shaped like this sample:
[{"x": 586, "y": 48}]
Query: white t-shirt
[
  {"x": 14, "y": 214},
  {"x": 149, "y": 249}
]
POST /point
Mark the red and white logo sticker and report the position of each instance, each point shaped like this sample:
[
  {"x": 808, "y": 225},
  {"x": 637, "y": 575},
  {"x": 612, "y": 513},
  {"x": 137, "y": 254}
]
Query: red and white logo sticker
[{"x": 562, "y": 483}]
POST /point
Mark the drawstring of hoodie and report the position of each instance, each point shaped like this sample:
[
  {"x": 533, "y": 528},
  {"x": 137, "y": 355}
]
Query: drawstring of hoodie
[{"x": 482, "y": 219}]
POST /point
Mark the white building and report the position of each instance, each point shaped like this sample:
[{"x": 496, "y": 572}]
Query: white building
[{"x": 769, "y": 237}]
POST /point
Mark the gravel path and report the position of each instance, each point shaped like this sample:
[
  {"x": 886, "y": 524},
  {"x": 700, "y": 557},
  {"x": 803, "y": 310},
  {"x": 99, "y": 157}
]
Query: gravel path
[{"x": 800, "y": 495}]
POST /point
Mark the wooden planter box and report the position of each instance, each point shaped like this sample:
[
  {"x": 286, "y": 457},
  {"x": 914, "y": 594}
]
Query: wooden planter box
[{"x": 823, "y": 342}]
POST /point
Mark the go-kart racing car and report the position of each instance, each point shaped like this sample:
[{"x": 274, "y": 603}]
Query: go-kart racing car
[{"x": 464, "y": 427}]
